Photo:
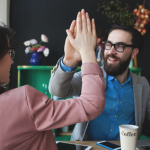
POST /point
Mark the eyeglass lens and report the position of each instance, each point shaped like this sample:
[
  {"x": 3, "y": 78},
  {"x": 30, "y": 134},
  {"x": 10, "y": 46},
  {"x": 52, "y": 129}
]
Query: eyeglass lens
[
  {"x": 12, "y": 53},
  {"x": 118, "y": 47}
]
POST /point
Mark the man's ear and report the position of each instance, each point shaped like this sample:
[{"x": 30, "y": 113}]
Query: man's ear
[{"x": 134, "y": 53}]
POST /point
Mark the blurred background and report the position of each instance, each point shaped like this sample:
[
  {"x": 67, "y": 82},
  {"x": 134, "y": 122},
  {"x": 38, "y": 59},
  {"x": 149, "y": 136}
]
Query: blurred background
[{"x": 31, "y": 18}]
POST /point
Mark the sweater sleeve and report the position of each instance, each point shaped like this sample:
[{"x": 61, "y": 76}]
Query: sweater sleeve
[{"x": 65, "y": 84}]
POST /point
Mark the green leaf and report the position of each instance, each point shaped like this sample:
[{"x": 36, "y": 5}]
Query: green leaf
[
  {"x": 37, "y": 45},
  {"x": 116, "y": 11}
]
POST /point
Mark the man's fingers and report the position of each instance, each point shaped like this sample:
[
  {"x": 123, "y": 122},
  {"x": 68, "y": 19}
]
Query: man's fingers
[
  {"x": 72, "y": 26},
  {"x": 70, "y": 35}
]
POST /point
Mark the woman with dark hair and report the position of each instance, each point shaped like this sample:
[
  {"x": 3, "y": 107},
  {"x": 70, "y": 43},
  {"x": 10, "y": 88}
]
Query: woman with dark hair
[
  {"x": 27, "y": 116},
  {"x": 6, "y": 35}
]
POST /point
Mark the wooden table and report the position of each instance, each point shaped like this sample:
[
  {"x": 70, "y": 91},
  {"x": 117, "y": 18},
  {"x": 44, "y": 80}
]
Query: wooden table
[{"x": 92, "y": 143}]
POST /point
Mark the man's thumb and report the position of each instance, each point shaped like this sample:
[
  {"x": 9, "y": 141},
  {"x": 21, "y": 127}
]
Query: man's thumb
[{"x": 70, "y": 35}]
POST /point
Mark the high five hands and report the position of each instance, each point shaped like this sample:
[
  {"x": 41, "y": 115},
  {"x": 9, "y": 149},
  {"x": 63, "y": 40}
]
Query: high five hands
[{"x": 82, "y": 43}]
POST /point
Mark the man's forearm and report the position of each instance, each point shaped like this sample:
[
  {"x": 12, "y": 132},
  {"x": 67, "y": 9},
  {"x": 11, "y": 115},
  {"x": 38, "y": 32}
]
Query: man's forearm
[{"x": 63, "y": 84}]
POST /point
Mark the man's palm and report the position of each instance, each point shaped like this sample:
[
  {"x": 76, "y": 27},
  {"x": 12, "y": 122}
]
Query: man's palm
[{"x": 71, "y": 52}]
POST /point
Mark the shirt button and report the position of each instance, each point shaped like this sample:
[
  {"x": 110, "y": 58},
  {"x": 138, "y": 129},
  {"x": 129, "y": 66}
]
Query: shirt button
[
  {"x": 120, "y": 102},
  {"x": 120, "y": 86},
  {"x": 115, "y": 116},
  {"x": 110, "y": 129}
]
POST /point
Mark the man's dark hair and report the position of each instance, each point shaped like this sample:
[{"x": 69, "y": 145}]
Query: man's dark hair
[
  {"x": 137, "y": 38},
  {"x": 6, "y": 35}
]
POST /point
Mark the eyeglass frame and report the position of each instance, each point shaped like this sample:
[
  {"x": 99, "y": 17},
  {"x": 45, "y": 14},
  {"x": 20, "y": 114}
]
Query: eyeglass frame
[
  {"x": 124, "y": 46},
  {"x": 10, "y": 51}
]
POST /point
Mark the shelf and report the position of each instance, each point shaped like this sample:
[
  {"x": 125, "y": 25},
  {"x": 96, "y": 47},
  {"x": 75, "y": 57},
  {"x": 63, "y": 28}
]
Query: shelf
[
  {"x": 64, "y": 133},
  {"x": 36, "y": 76},
  {"x": 63, "y": 138},
  {"x": 35, "y": 67}
]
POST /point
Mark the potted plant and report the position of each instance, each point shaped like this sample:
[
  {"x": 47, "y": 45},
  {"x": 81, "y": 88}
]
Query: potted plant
[{"x": 34, "y": 50}]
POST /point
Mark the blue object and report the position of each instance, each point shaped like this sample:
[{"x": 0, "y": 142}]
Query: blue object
[
  {"x": 109, "y": 145},
  {"x": 98, "y": 51},
  {"x": 35, "y": 58},
  {"x": 66, "y": 68}
]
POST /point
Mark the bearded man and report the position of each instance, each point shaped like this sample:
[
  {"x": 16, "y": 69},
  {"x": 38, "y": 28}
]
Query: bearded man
[{"x": 127, "y": 99}]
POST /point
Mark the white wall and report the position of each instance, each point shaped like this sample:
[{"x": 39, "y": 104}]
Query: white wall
[{"x": 4, "y": 11}]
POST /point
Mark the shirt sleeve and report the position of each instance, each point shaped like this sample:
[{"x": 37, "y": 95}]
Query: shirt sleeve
[{"x": 66, "y": 68}]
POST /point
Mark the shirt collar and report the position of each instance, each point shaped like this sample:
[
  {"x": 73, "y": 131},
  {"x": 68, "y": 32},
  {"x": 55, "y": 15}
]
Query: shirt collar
[{"x": 111, "y": 78}]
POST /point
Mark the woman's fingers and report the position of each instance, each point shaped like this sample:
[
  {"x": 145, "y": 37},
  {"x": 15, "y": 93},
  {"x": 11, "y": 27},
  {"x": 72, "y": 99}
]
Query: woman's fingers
[
  {"x": 88, "y": 22},
  {"x": 84, "y": 21},
  {"x": 75, "y": 31},
  {"x": 93, "y": 27},
  {"x": 79, "y": 23}
]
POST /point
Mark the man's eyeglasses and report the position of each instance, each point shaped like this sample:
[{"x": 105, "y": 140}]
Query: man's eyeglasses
[
  {"x": 11, "y": 52},
  {"x": 119, "y": 47}
]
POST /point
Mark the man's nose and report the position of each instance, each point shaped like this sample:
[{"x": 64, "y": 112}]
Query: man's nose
[{"x": 113, "y": 50}]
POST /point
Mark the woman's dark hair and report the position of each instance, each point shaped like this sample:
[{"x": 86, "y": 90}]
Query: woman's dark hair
[
  {"x": 6, "y": 35},
  {"x": 2, "y": 90},
  {"x": 137, "y": 38}
]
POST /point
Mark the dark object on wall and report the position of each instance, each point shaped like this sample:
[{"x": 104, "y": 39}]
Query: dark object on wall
[{"x": 147, "y": 4}]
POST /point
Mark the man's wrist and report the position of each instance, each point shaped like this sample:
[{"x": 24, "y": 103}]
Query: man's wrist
[
  {"x": 70, "y": 62},
  {"x": 66, "y": 68}
]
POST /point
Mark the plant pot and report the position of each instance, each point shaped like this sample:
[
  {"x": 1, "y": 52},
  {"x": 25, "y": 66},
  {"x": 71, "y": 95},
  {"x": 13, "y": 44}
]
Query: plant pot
[{"x": 35, "y": 58}]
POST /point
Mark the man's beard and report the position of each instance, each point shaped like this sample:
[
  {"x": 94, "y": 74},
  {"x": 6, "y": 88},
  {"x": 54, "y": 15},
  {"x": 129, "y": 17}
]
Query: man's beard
[{"x": 115, "y": 70}]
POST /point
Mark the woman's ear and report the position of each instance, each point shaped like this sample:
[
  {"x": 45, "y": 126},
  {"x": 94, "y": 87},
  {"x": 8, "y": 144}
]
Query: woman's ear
[{"x": 134, "y": 53}]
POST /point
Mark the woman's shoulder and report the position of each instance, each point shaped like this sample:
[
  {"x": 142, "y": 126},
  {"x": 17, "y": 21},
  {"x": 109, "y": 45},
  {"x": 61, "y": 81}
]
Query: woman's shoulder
[{"x": 19, "y": 91}]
